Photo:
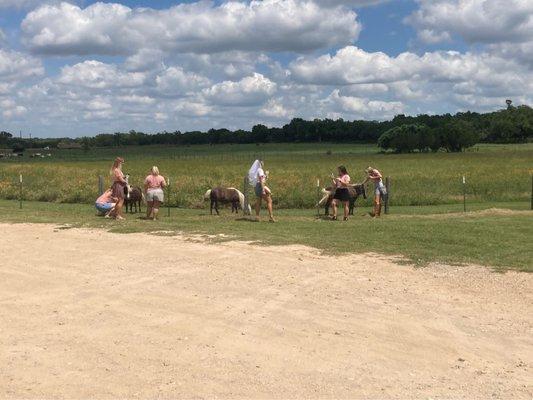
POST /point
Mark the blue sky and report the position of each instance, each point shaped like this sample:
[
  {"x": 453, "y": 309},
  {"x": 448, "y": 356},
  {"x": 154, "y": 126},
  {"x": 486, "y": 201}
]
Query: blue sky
[{"x": 83, "y": 67}]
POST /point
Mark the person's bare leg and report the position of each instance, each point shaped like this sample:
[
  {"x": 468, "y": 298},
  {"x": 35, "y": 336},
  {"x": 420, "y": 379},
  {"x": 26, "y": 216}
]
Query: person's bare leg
[
  {"x": 257, "y": 207},
  {"x": 375, "y": 212},
  {"x": 346, "y": 210},
  {"x": 149, "y": 207},
  {"x": 268, "y": 199},
  {"x": 118, "y": 209},
  {"x": 155, "y": 209},
  {"x": 334, "y": 206}
]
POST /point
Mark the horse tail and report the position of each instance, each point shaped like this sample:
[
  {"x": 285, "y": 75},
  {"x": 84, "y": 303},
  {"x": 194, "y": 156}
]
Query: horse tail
[
  {"x": 207, "y": 195},
  {"x": 241, "y": 198},
  {"x": 326, "y": 195}
]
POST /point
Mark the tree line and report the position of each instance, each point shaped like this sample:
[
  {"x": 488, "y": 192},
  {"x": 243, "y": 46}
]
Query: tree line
[{"x": 401, "y": 134}]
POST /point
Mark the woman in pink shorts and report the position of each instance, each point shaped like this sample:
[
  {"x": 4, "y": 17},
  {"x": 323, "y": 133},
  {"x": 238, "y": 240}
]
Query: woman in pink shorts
[{"x": 155, "y": 196}]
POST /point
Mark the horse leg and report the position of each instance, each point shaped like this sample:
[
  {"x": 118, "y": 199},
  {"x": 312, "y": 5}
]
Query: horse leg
[
  {"x": 352, "y": 204},
  {"x": 211, "y": 209},
  {"x": 216, "y": 206}
]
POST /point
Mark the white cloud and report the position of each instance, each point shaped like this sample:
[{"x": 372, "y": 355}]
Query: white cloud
[
  {"x": 195, "y": 108},
  {"x": 174, "y": 81},
  {"x": 202, "y": 27},
  {"x": 277, "y": 110},
  {"x": 476, "y": 21},
  {"x": 351, "y": 65},
  {"x": 15, "y": 66},
  {"x": 136, "y": 99},
  {"x": 349, "y": 3},
  {"x": 250, "y": 91},
  {"x": 365, "y": 108},
  {"x": 10, "y": 109},
  {"x": 144, "y": 60},
  {"x": 97, "y": 75}
]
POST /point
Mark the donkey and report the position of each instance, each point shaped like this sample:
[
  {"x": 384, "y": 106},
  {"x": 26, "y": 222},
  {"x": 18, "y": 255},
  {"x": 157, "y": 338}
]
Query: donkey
[
  {"x": 224, "y": 196},
  {"x": 355, "y": 191},
  {"x": 133, "y": 197}
]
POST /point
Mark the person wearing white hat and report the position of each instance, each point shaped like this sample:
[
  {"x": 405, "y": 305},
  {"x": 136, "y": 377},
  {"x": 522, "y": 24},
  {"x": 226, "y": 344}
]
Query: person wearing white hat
[{"x": 257, "y": 178}]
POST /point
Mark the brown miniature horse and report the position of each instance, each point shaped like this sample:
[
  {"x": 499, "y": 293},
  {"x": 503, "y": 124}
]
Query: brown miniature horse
[
  {"x": 355, "y": 192},
  {"x": 224, "y": 196}
]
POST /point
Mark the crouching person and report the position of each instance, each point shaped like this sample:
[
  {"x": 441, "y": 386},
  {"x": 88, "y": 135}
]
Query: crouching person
[{"x": 105, "y": 204}]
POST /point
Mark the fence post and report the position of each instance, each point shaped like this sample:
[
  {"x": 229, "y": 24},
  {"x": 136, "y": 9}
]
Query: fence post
[
  {"x": 387, "y": 188},
  {"x": 246, "y": 210},
  {"x": 100, "y": 185},
  {"x": 464, "y": 193},
  {"x": 532, "y": 191},
  {"x": 20, "y": 194},
  {"x": 317, "y": 198},
  {"x": 168, "y": 196}
]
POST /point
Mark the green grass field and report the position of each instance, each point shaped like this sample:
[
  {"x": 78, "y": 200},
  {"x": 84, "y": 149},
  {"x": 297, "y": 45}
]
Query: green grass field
[
  {"x": 426, "y": 221},
  {"x": 498, "y": 236},
  {"x": 493, "y": 172}
]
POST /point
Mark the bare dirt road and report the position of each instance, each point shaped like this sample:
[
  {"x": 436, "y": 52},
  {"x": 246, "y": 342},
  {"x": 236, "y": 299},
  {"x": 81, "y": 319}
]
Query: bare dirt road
[{"x": 90, "y": 314}]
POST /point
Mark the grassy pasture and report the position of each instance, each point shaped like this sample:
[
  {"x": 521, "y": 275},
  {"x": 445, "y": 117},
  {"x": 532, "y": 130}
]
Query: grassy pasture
[{"x": 493, "y": 172}]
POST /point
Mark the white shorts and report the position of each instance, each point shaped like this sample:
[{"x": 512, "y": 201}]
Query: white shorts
[
  {"x": 155, "y": 194},
  {"x": 381, "y": 190}
]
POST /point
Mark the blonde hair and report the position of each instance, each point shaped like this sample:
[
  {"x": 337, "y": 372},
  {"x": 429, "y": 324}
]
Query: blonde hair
[
  {"x": 116, "y": 164},
  {"x": 369, "y": 169},
  {"x": 154, "y": 170}
]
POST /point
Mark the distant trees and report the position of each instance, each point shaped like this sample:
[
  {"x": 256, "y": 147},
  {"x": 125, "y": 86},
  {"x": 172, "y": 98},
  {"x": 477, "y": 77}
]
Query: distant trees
[
  {"x": 4, "y": 138},
  {"x": 402, "y": 133},
  {"x": 406, "y": 138},
  {"x": 513, "y": 125},
  {"x": 452, "y": 136}
]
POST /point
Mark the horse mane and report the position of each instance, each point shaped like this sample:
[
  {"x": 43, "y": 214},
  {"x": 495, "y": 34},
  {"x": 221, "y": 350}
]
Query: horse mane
[
  {"x": 207, "y": 195},
  {"x": 241, "y": 196}
]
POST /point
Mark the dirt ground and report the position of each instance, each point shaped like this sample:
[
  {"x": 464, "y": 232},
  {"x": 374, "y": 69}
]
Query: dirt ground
[{"x": 91, "y": 314}]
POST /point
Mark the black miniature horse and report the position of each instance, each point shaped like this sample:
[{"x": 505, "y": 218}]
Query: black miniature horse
[{"x": 133, "y": 197}]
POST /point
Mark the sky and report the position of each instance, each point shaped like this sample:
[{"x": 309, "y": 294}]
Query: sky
[{"x": 79, "y": 67}]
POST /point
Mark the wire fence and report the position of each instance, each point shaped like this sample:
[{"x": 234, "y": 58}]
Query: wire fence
[{"x": 24, "y": 186}]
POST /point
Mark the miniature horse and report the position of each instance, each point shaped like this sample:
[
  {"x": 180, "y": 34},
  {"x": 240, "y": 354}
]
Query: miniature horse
[
  {"x": 329, "y": 192},
  {"x": 225, "y": 195},
  {"x": 133, "y": 196}
]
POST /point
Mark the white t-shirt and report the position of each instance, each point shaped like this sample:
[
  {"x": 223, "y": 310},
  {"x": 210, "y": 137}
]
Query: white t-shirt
[{"x": 260, "y": 175}]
